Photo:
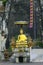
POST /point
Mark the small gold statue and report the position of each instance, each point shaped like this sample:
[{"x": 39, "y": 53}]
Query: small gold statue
[
  {"x": 6, "y": 54},
  {"x": 12, "y": 43}
]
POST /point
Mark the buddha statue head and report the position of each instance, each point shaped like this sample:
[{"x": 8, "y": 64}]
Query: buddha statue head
[{"x": 21, "y": 31}]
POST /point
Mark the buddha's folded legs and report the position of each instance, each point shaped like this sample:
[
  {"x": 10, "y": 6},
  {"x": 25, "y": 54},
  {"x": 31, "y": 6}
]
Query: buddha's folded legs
[{"x": 21, "y": 44}]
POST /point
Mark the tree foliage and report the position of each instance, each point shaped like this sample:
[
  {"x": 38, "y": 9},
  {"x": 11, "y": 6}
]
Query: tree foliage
[{"x": 4, "y": 2}]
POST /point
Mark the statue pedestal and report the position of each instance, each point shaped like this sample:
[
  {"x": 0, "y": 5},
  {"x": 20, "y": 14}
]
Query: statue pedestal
[{"x": 21, "y": 44}]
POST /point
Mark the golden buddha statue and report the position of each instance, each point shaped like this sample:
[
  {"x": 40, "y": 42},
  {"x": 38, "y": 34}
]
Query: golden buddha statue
[{"x": 22, "y": 39}]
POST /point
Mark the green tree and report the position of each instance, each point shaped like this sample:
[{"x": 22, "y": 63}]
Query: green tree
[{"x": 4, "y": 2}]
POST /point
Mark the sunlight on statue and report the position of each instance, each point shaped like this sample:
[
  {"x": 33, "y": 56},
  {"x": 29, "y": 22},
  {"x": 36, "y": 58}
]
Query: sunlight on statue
[
  {"x": 22, "y": 39},
  {"x": 22, "y": 36}
]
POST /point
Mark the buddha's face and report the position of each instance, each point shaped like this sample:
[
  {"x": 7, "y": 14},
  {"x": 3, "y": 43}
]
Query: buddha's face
[{"x": 21, "y": 31}]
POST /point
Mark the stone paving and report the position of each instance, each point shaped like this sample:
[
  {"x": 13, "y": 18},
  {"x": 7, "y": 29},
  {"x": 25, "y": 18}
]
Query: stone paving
[
  {"x": 7, "y": 63},
  {"x": 36, "y": 55}
]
